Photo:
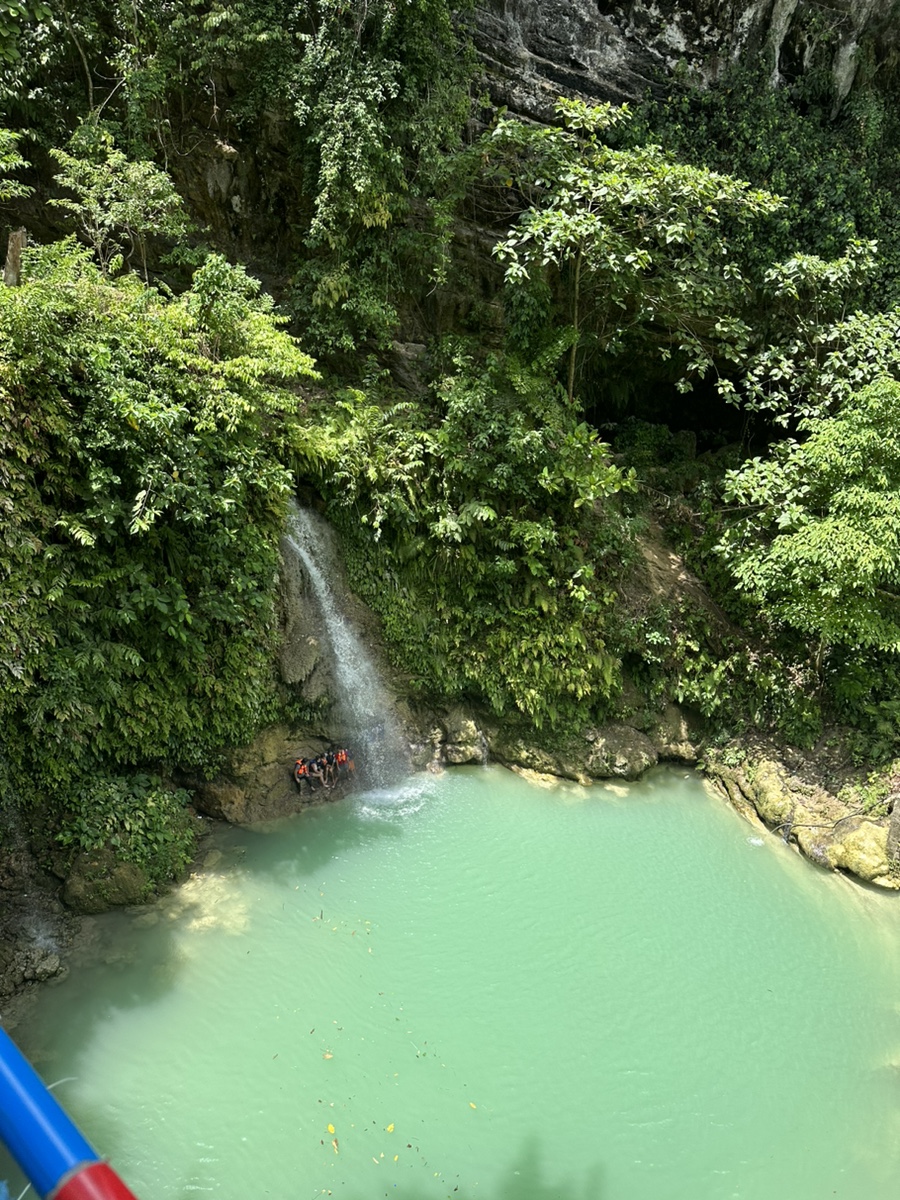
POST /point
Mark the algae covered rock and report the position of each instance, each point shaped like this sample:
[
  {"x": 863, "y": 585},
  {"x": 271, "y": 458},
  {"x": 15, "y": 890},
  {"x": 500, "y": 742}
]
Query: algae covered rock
[
  {"x": 619, "y": 752},
  {"x": 258, "y": 785},
  {"x": 606, "y": 752},
  {"x": 893, "y": 835},
  {"x": 674, "y": 736},
  {"x": 98, "y": 881},
  {"x": 517, "y": 750},
  {"x": 824, "y": 826},
  {"x": 223, "y": 800},
  {"x": 860, "y": 847},
  {"x": 771, "y": 793}
]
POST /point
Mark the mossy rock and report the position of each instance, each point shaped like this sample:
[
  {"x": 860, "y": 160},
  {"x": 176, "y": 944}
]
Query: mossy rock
[
  {"x": 619, "y": 752},
  {"x": 771, "y": 793},
  {"x": 463, "y": 740},
  {"x": 517, "y": 751},
  {"x": 99, "y": 881},
  {"x": 607, "y": 752},
  {"x": 860, "y": 847}
]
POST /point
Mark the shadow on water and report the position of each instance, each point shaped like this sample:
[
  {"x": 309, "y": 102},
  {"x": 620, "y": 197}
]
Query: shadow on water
[
  {"x": 133, "y": 959},
  {"x": 524, "y": 1179}
]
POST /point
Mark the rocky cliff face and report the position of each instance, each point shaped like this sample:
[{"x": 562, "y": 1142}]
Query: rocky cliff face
[
  {"x": 532, "y": 52},
  {"x": 536, "y": 50}
]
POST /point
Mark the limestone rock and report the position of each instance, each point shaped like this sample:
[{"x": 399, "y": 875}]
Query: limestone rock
[
  {"x": 98, "y": 881},
  {"x": 807, "y": 813},
  {"x": 673, "y": 736},
  {"x": 771, "y": 793},
  {"x": 220, "y": 799},
  {"x": 463, "y": 740},
  {"x": 536, "y": 50},
  {"x": 300, "y": 656},
  {"x": 258, "y": 784},
  {"x": 456, "y": 755},
  {"x": 516, "y": 751},
  {"x": 892, "y": 845},
  {"x": 425, "y": 753},
  {"x": 816, "y": 843},
  {"x": 45, "y": 966},
  {"x": 608, "y": 752},
  {"x": 860, "y": 847},
  {"x": 619, "y": 752}
]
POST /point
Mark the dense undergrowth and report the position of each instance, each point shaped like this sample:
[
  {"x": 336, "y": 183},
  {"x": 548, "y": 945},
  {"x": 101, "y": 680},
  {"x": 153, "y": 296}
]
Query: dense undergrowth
[{"x": 731, "y": 251}]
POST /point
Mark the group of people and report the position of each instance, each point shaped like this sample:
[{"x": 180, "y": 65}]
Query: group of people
[{"x": 325, "y": 769}]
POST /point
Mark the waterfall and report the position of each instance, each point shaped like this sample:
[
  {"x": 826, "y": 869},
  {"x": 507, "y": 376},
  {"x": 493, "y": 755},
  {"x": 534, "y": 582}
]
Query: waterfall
[{"x": 363, "y": 704}]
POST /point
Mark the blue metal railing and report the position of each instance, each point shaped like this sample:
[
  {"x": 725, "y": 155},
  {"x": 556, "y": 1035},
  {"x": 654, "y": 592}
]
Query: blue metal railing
[{"x": 44, "y": 1141}]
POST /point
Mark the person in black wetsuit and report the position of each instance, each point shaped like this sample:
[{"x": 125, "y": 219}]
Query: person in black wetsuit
[{"x": 317, "y": 771}]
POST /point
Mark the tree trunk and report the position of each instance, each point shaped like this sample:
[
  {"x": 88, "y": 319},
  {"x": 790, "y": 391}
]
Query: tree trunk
[
  {"x": 14, "y": 249},
  {"x": 573, "y": 352}
]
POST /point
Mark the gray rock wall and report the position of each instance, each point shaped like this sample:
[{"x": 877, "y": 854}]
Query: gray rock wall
[{"x": 536, "y": 50}]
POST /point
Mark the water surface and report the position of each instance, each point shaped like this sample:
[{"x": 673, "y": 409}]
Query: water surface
[{"x": 474, "y": 987}]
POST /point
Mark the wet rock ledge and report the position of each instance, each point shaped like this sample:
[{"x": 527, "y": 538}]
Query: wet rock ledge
[
  {"x": 36, "y": 930},
  {"x": 841, "y": 834},
  {"x": 256, "y": 784}
]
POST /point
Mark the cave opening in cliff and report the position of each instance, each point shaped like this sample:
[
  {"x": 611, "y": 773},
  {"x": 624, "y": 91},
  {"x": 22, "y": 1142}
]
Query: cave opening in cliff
[{"x": 616, "y": 400}]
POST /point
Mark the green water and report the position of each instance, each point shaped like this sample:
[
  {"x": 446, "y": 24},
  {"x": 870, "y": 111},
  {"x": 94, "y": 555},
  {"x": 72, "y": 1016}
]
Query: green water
[{"x": 494, "y": 990}]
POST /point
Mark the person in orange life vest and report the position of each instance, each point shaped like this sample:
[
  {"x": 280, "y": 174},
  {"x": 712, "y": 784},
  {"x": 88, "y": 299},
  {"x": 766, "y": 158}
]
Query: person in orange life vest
[
  {"x": 301, "y": 774},
  {"x": 346, "y": 763}
]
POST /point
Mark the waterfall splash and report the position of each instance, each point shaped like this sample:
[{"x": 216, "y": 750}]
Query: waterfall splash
[{"x": 363, "y": 704}]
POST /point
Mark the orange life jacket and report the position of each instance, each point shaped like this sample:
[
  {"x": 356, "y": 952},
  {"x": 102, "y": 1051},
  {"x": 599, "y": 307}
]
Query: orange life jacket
[{"x": 300, "y": 768}]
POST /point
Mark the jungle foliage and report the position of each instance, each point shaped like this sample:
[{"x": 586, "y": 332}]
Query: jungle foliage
[
  {"x": 817, "y": 542},
  {"x": 640, "y": 241},
  {"x": 836, "y": 172},
  {"x": 145, "y": 443},
  {"x": 795, "y": 542},
  {"x": 139, "y": 818},
  {"x": 482, "y": 529},
  {"x": 358, "y": 106},
  {"x": 739, "y": 241}
]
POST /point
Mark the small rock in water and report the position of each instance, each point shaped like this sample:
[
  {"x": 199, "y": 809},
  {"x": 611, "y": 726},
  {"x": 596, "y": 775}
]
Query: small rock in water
[{"x": 145, "y": 920}]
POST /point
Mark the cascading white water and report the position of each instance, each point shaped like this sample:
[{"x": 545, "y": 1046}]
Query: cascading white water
[{"x": 363, "y": 704}]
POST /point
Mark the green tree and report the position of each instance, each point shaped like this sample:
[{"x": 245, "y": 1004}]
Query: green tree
[
  {"x": 117, "y": 203},
  {"x": 10, "y": 160},
  {"x": 144, "y": 443},
  {"x": 837, "y": 174},
  {"x": 813, "y": 365},
  {"x": 637, "y": 239},
  {"x": 14, "y": 15},
  {"x": 481, "y": 527},
  {"x": 816, "y": 542}
]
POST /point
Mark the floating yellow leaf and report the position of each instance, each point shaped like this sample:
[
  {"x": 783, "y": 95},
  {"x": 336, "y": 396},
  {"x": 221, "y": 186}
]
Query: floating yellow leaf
[
  {"x": 331, "y": 1129},
  {"x": 390, "y": 1127},
  {"x": 396, "y": 1156},
  {"x": 471, "y": 1105},
  {"x": 328, "y": 1054}
]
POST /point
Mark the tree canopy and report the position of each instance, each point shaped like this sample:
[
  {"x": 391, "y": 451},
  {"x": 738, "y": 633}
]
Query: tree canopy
[
  {"x": 818, "y": 546},
  {"x": 144, "y": 443},
  {"x": 639, "y": 238}
]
